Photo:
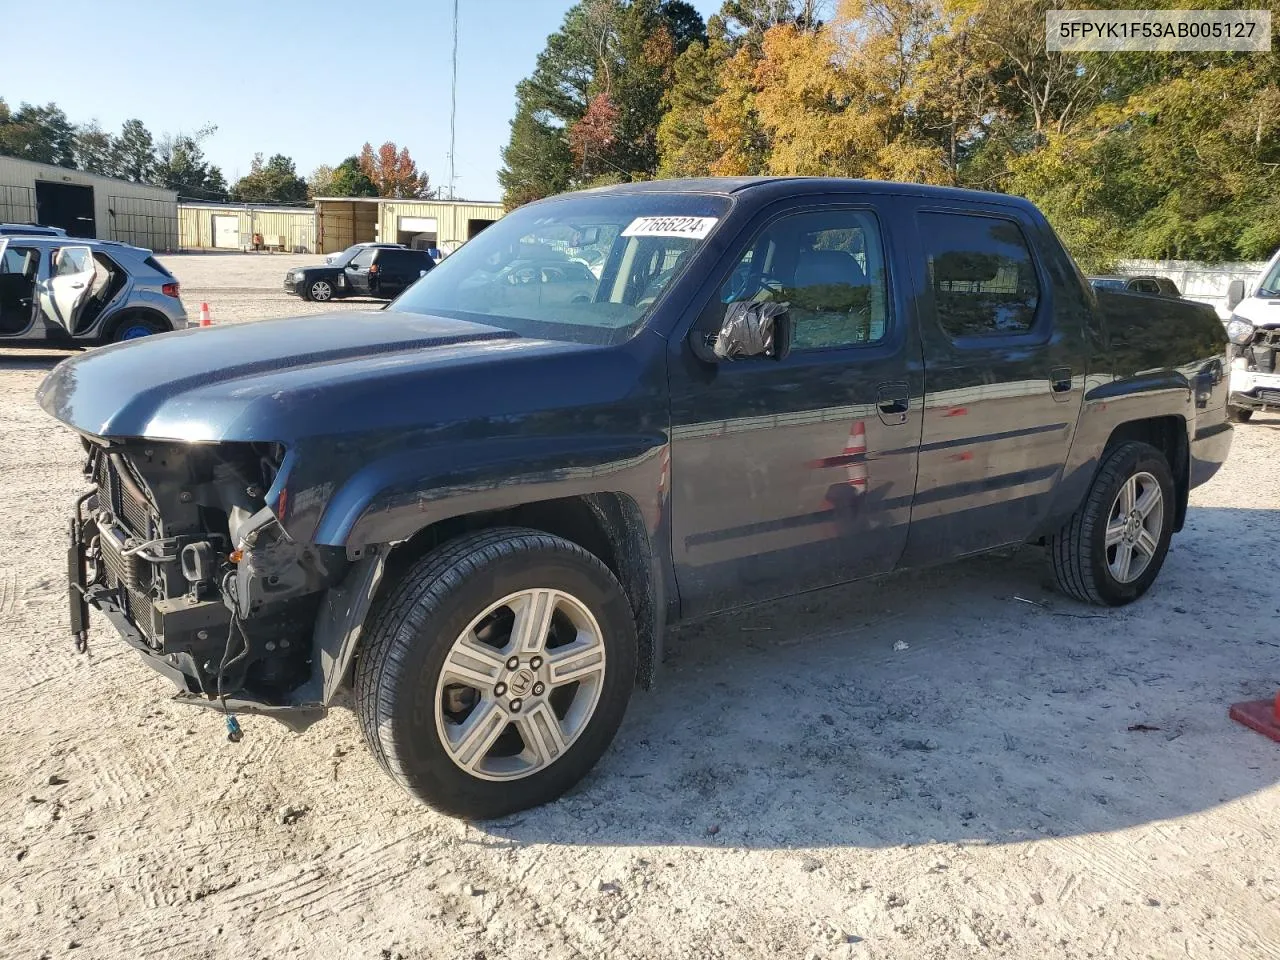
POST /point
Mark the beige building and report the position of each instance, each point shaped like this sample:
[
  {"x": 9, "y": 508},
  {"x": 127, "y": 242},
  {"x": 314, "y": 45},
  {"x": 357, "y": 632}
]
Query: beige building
[
  {"x": 333, "y": 224},
  {"x": 246, "y": 226},
  {"x": 446, "y": 224},
  {"x": 87, "y": 205}
]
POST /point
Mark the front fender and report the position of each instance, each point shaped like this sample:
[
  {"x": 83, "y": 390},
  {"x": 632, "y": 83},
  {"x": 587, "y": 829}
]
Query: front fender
[{"x": 392, "y": 499}]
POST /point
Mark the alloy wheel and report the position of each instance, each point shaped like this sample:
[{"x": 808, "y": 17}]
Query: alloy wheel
[
  {"x": 520, "y": 684},
  {"x": 1134, "y": 526}
]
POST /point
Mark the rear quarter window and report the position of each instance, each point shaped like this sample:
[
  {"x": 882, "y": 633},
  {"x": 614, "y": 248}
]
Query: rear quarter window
[{"x": 155, "y": 265}]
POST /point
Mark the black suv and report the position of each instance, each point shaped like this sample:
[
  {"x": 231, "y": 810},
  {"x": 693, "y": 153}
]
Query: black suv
[{"x": 365, "y": 270}]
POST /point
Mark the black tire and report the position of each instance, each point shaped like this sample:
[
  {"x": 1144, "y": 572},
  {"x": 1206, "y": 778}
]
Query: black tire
[
  {"x": 134, "y": 326},
  {"x": 1239, "y": 414},
  {"x": 1078, "y": 551},
  {"x": 319, "y": 291},
  {"x": 413, "y": 627}
]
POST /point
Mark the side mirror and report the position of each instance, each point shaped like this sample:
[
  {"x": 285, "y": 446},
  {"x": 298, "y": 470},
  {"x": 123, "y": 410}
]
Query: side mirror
[
  {"x": 749, "y": 330},
  {"x": 1235, "y": 293}
]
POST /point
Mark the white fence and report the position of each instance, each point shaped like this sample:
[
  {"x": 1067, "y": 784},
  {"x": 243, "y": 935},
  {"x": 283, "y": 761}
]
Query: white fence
[{"x": 1205, "y": 282}]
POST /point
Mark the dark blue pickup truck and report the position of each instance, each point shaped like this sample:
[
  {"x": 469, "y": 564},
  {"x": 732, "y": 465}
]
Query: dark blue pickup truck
[{"x": 615, "y": 409}]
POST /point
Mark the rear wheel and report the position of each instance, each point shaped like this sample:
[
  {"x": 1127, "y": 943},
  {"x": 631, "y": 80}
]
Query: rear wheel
[
  {"x": 496, "y": 672},
  {"x": 319, "y": 290},
  {"x": 136, "y": 326},
  {"x": 1239, "y": 414},
  {"x": 1112, "y": 548}
]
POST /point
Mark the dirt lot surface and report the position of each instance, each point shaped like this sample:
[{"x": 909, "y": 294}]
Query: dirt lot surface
[{"x": 795, "y": 787}]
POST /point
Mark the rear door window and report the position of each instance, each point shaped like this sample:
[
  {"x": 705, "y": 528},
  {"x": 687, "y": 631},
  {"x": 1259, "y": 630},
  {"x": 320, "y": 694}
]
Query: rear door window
[
  {"x": 981, "y": 274},
  {"x": 72, "y": 260}
]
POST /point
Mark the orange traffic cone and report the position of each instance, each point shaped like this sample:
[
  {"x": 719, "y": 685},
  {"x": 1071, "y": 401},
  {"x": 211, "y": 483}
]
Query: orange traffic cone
[{"x": 205, "y": 319}]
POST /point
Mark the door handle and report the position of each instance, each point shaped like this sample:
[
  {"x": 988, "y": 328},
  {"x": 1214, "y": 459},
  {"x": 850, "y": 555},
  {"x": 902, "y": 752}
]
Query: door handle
[
  {"x": 893, "y": 401},
  {"x": 77, "y": 286},
  {"x": 1060, "y": 380}
]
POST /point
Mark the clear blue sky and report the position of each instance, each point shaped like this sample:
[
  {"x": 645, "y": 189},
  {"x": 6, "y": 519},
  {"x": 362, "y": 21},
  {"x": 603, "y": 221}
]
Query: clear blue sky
[{"x": 311, "y": 80}]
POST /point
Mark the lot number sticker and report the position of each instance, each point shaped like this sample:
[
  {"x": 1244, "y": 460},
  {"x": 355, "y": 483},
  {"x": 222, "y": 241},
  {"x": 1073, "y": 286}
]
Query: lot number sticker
[{"x": 696, "y": 228}]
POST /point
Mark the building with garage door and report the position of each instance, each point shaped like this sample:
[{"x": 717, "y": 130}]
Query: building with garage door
[
  {"x": 87, "y": 205},
  {"x": 421, "y": 224},
  {"x": 240, "y": 226}
]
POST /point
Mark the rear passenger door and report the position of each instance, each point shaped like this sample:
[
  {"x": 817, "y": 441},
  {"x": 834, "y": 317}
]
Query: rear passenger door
[
  {"x": 1005, "y": 360},
  {"x": 69, "y": 284}
]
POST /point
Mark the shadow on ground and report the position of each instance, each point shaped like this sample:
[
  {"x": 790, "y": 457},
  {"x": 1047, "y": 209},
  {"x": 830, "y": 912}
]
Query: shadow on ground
[
  {"x": 35, "y": 360},
  {"x": 799, "y": 724}
]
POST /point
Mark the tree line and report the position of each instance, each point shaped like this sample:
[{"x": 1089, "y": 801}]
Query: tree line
[
  {"x": 177, "y": 161},
  {"x": 1156, "y": 155}
]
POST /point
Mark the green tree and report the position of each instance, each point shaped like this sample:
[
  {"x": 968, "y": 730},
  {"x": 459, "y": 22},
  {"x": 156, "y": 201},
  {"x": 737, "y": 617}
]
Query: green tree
[
  {"x": 95, "y": 150},
  {"x": 135, "y": 152},
  {"x": 350, "y": 181},
  {"x": 181, "y": 166},
  {"x": 590, "y": 110},
  {"x": 684, "y": 144},
  {"x": 43, "y": 134},
  {"x": 275, "y": 181}
]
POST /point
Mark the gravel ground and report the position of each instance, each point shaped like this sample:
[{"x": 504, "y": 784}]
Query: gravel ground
[{"x": 795, "y": 787}]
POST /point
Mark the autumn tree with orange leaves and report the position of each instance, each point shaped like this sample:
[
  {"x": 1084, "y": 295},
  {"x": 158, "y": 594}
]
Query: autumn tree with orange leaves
[{"x": 394, "y": 173}]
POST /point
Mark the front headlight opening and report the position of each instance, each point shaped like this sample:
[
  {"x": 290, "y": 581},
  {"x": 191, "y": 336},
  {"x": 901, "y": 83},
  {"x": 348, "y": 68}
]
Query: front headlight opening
[{"x": 1239, "y": 330}]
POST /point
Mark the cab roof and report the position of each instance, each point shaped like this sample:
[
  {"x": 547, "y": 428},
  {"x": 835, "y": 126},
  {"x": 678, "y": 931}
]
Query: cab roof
[{"x": 771, "y": 188}]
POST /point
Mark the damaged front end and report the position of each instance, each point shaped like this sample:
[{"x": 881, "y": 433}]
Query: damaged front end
[
  {"x": 1255, "y": 376},
  {"x": 175, "y": 543}
]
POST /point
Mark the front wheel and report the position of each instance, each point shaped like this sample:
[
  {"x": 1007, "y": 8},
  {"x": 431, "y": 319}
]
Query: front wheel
[
  {"x": 321, "y": 291},
  {"x": 1112, "y": 548},
  {"x": 496, "y": 672},
  {"x": 1239, "y": 414}
]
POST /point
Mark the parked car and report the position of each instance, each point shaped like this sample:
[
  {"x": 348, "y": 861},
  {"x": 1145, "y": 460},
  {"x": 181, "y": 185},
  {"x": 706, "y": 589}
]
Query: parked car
[
  {"x": 1254, "y": 332},
  {"x": 1160, "y": 286},
  {"x": 483, "y": 512},
  {"x": 58, "y": 291},
  {"x": 30, "y": 230},
  {"x": 372, "y": 270}
]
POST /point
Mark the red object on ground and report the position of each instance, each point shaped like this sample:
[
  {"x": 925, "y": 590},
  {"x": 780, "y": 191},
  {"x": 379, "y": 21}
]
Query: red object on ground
[
  {"x": 205, "y": 319},
  {"x": 1260, "y": 715}
]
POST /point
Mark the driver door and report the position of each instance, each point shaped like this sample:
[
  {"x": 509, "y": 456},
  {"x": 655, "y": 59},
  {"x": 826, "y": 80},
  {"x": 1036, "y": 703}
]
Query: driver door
[
  {"x": 68, "y": 286},
  {"x": 356, "y": 272},
  {"x": 799, "y": 473}
]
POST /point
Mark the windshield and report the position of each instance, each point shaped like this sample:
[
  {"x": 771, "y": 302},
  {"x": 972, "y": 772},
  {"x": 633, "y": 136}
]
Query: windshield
[
  {"x": 1270, "y": 285},
  {"x": 584, "y": 268},
  {"x": 347, "y": 255}
]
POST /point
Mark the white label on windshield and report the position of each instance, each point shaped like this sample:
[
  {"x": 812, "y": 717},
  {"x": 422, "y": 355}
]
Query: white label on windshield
[{"x": 695, "y": 228}]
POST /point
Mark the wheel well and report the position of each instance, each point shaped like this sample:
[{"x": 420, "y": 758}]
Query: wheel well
[
  {"x": 131, "y": 313},
  {"x": 607, "y": 525},
  {"x": 1169, "y": 436}
]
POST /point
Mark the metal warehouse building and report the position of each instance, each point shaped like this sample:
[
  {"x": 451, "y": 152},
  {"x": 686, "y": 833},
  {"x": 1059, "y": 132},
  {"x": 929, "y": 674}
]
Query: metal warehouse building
[
  {"x": 446, "y": 224},
  {"x": 226, "y": 226},
  {"x": 87, "y": 205}
]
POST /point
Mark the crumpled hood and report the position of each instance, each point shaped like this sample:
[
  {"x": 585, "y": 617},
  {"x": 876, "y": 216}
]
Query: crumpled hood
[
  {"x": 278, "y": 380},
  {"x": 1260, "y": 311}
]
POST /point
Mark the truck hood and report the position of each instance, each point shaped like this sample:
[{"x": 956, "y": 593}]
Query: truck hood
[
  {"x": 1260, "y": 311},
  {"x": 280, "y": 380}
]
